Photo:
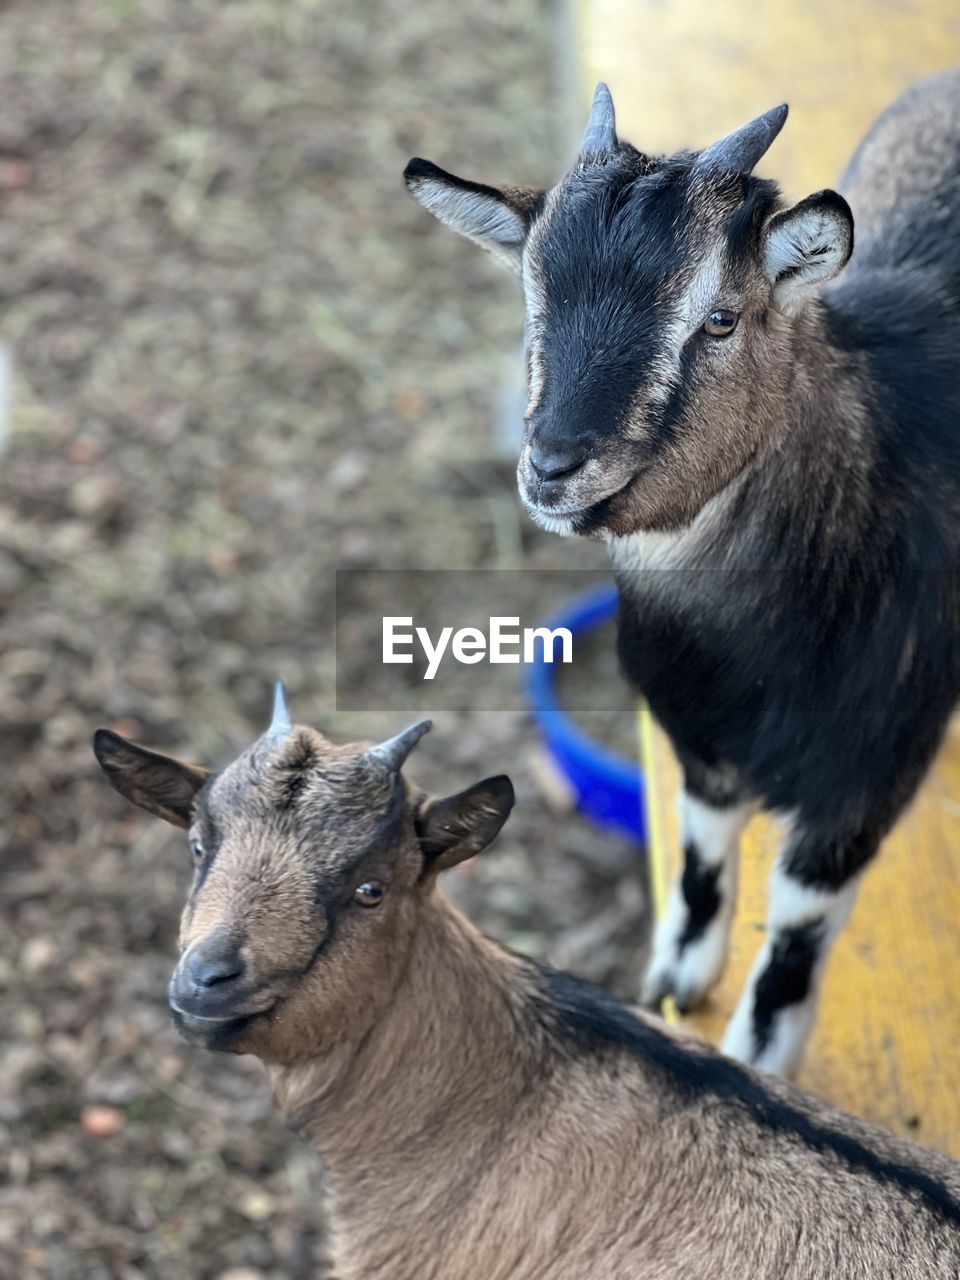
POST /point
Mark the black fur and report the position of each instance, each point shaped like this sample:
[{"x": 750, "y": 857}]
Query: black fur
[
  {"x": 603, "y": 303},
  {"x": 704, "y": 780},
  {"x": 799, "y": 684},
  {"x": 701, "y": 894},
  {"x": 827, "y": 859},
  {"x": 418, "y": 169},
  {"x": 209, "y": 835},
  {"x": 586, "y": 1020},
  {"x": 820, "y": 664},
  {"x": 607, "y": 303},
  {"x": 787, "y": 977},
  {"x": 803, "y": 691}
]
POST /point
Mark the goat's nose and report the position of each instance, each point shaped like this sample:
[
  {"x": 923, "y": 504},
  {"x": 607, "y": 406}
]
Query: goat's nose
[
  {"x": 213, "y": 965},
  {"x": 556, "y": 466}
]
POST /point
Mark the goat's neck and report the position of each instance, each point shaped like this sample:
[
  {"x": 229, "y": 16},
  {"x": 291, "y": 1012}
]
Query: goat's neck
[
  {"x": 828, "y": 404},
  {"x": 438, "y": 1067}
]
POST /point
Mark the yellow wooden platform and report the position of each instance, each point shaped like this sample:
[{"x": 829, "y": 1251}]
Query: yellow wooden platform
[{"x": 684, "y": 72}]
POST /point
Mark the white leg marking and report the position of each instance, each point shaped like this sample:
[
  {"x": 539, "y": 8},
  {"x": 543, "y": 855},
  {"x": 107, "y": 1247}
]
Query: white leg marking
[
  {"x": 792, "y": 906},
  {"x": 688, "y": 971}
]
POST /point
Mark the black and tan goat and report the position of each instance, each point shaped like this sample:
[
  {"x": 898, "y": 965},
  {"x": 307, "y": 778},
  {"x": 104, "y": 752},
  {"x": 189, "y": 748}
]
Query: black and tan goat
[
  {"x": 479, "y": 1116},
  {"x": 775, "y": 466}
]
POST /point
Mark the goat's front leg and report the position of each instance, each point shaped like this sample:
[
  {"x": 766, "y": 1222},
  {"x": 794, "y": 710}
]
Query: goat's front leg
[
  {"x": 812, "y": 889},
  {"x": 691, "y": 939}
]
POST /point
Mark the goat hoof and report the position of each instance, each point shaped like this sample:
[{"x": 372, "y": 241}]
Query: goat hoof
[
  {"x": 654, "y": 991},
  {"x": 686, "y": 995},
  {"x": 691, "y": 996}
]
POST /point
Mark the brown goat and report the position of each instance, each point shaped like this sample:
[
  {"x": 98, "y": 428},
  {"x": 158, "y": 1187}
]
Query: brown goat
[{"x": 480, "y": 1116}]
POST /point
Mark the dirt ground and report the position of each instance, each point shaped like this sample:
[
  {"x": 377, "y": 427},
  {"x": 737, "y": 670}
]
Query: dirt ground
[{"x": 242, "y": 357}]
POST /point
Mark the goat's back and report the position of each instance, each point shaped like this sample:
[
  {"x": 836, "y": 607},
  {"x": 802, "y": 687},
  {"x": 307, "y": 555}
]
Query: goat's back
[
  {"x": 693, "y": 1166},
  {"x": 903, "y": 182}
]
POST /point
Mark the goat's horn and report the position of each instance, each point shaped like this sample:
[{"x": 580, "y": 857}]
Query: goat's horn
[
  {"x": 393, "y": 752},
  {"x": 601, "y": 131},
  {"x": 739, "y": 151},
  {"x": 281, "y": 724}
]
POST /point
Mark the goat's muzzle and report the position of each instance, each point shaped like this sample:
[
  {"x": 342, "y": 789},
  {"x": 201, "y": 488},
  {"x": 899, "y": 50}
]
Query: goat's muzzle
[
  {"x": 561, "y": 490},
  {"x": 211, "y": 992}
]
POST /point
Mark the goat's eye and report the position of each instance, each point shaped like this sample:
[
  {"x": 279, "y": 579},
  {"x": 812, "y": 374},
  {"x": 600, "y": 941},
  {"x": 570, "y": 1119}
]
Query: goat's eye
[
  {"x": 369, "y": 894},
  {"x": 721, "y": 323},
  {"x": 196, "y": 850}
]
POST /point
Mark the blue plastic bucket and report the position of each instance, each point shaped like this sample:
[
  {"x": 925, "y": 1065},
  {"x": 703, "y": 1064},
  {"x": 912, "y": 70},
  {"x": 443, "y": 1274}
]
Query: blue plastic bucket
[{"x": 608, "y": 788}]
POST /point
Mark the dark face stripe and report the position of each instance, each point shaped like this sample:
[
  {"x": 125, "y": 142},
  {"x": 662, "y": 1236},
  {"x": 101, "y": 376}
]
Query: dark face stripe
[
  {"x": 329, "y": 889},
  {"x": 616, "y": 250},
  {"x": 208, "y": 834}
]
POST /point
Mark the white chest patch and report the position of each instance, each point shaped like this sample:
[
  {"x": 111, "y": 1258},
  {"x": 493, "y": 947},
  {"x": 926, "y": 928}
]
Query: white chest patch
[
  {"x": 650, "y": 550},
  {"x": 683, "y": 570}
]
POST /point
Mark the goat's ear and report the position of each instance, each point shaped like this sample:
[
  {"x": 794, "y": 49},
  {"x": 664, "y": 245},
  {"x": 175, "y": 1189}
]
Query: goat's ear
[
  {"x": 459, "y": 826},
  {"x": 805, "y": 246},
  {"x": 496, "y": 218},
  {"x": 160, "y": 784}
]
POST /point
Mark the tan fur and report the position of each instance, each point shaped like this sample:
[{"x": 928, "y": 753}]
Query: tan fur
[
  {"x": 742, "y": 436},
  {"x": 470, "y": 1128},
  {"x": 460, "y": 1146},
  {"x": 265, "y": 875}
]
